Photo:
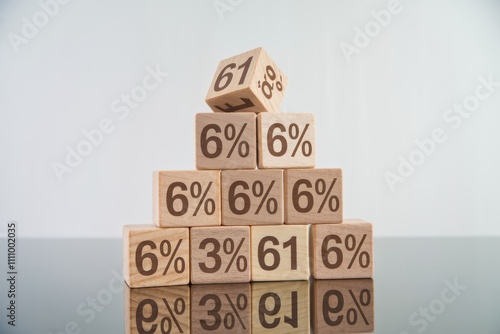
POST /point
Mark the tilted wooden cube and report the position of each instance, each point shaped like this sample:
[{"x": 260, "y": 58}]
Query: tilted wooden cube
[
  {"x": 342, "y": 250},
  {"x": 226, "y": 141},
  {"x": 154, "y": 256},
  {"x": 248, "y": 82}
]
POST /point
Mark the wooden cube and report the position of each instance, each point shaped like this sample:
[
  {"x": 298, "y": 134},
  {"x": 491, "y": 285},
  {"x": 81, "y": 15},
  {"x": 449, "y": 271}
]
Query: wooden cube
[
  {"x": 220, "y": 254},
  {"x": 186, "y": 198},
  {"x": 147, "y": 308},
  {"x": 252, "y": 197},
  {"x": 280, "y": 252},
  {"x": 221, "y": 308},
  {"x": 342, "y": 250},
  {"x": 285, "y": 140},
  {"x": 313, "y": 196},
  {"x": 280, "y": 307},
  {"x": 226, "y": 141},
  {"x": 249, "y": 82},
  {"x": 154, "y": 256},
  {"x": 343, "y": 306}
]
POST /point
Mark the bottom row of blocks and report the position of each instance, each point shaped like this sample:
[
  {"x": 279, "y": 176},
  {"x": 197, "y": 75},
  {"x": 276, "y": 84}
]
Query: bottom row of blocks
[
  {"x": 234, "y": 254},
  {"x": 330, "y": 306}
]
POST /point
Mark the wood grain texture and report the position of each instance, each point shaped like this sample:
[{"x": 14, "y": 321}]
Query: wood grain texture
[
  {"x": 280, "y": 252},
  {"x": 280, "y": 307},
  {"x": 181, "y": 206},
  {"x": 139, "y": 304},
  {"x": 313, "y": 196},
  {"x": 220, "y": 254},
  {"x": 286, "y": 140},
  {"x": 353, "y": 239},
  {"x": 258, "y": 87},
  {"x": 145, "y": 265},
  {"x": 211, "y": 304},
  {"x": 252, "y": 197},
  {"x": 356, "y": 295}
]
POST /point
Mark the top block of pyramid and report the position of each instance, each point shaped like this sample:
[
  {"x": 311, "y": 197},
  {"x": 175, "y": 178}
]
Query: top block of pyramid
[{"x": 249, "y": 82}]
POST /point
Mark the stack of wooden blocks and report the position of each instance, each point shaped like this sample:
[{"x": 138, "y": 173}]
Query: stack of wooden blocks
[{"x": 228, "y": 222}]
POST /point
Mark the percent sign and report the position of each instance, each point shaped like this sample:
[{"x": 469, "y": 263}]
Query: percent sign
[
  {"x": 350, "y": 245},
  {"x": 230, "y": 134},
  {"x": 351, "y": 316},
  {"x": 179, "y": 307},
  {"x": 294, "y": 134},
  {"x": 165, "y": 251},
  {"x": 258, "y": 191},
  {"x": 196, "y": 191},
  {"x": 230, "y": 317},
  {"x": 320, "y": 188},
  {"x": 229, "y": 249}
]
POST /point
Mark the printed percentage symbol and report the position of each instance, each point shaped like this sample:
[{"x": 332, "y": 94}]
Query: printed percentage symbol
[
  {"x": 179, "y": 308},
  {"x": 320, "y": 188},
  {"x": 294, "y": 133},
  {"x": 179, "y": 263},
  {"x": 360, "y": 301},
  {"x": 258, "y": 192},
  {"x": 241, "y": 305},
  {"x": 209, "y": 204},
  {"x": 241, "y": 261},
  {"x": 165, "y": 251},
  {"x": 243, "y": 146},
  {"x": 357, "y": 254}
]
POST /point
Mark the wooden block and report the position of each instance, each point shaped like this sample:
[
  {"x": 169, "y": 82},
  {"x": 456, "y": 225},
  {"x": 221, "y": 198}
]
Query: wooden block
[
  {"x": 154, "y": 256},
  {"x": 280, "y": 307},
  {"x": 343, "y": 306},
  {"x": 226, "y": 141},
  {"x": 221, "y": 308},
  {"x": 285, "y": 140},
  {"x": 252, "y": 197},
  {"x": 186, "y": 198},
  {"x": 249, "y": 82},
  {"x": 313, "y": 196},
  {"x": 342, "y": 250},
  {"x": 157, "y": 310},
  {"x": 280, "y": 253},
  {"x": 220, "y": 254}
]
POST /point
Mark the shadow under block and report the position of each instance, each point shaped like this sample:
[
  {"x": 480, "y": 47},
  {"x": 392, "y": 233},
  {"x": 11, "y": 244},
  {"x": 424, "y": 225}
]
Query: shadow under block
[
  {"x": 186, "y": 198},
  {"x": 280, "y": 307},
  {"x": 252, "y": 197},
  {"x": 248, "y": 82},
  {"x": 220, "y": 254},
  {"x": 221, "y": 308},
  {"x": 342, "y": 250},
  {"x": 154, "y": 256},
  {"x": 313, "y": 196},
  {"x": 147, "y": 308},
  {"x": 226, "y": 141},
  {"x": 343, "y": 306},
  {"x": 286, "y": 140},
  {"x": 280, "y": 252}
]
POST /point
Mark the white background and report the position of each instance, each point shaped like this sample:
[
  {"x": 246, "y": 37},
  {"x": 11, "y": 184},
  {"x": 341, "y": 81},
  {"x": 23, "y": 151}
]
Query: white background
[{"x": 369, "y": 107}]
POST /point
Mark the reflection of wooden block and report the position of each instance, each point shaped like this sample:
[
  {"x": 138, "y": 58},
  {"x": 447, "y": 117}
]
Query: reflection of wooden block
[
  {"x": 285, "y": 140},
  {"x": 280, "y": 307},
  {"x": 313, "y": 196},
  {"x": 249, "y": 82},
  {"x": 221, "y": 308},
  {"x": 186, "y": 198},
  {"x": 226, "y": 141},
  {"x": 154, "y": 256},
  {"x": 280, "y": 253},
  {"x": 146, "y": 309},
  {"x": 343, "y": 306},
  {"x": 342, "y": 250},
  {"x": 252, "y": 197},
  {"x": 220, "y": 254}
]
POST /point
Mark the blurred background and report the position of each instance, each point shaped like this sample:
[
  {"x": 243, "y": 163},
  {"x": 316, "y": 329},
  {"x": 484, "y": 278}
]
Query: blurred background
[{"x": 406, "y": 96}]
